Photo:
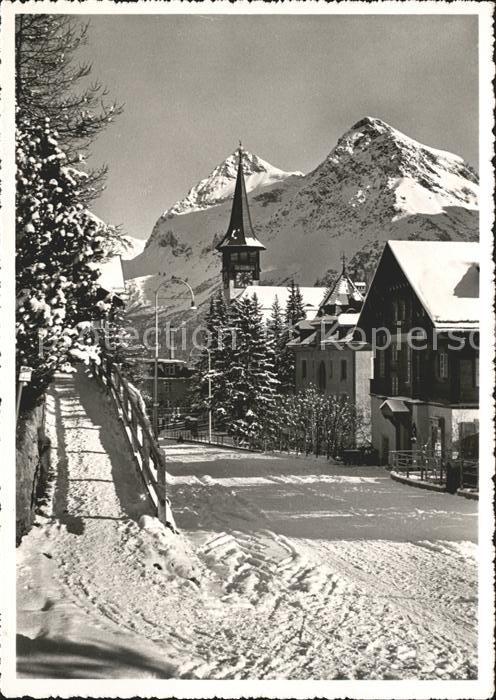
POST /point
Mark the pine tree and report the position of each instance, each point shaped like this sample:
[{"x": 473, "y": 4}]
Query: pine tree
[
  {"x": 276, "y": 323},
  {"x": 57, "y": 244},
  {"x": 294, "y": 313},
  {"x": 49, "y": 84},
  {"x": 250, "y": 380},
  {"x": 279, "y": 337},
  {"x": 294, "y": 308},
  {"x": 219, "y": 348}
]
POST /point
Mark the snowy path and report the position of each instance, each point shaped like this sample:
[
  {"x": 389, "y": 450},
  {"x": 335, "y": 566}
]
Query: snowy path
[{"x": 306, "y": 570}]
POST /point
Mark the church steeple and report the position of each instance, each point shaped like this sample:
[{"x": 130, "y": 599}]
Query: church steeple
[{"x": 240, "y": 247}]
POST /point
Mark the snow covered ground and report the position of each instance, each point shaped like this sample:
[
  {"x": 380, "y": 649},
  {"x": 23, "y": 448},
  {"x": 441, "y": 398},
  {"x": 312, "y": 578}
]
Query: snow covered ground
[{"x": 285, "y": 567}]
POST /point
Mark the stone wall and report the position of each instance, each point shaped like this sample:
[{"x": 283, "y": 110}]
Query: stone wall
[{"x": 32, "y": 466}]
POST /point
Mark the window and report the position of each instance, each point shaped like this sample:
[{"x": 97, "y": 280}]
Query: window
[
  {"x": 394, "y": 353},
  {"x": 476, "y": 372},
  {"x": 381, "y": 356},
  {"x": 408, "y": 378},
  {"x": 442, "y": 366},
  {"x": 394, "y": 385},
  {"x": 303, "y": 369},
  {"x": 417, "y": 365},
  {"x": 395, "y": 310},
  {"x": 344, "y": 370}
]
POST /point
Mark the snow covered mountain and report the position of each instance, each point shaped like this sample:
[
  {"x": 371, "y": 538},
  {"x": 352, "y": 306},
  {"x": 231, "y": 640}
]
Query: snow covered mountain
[
  {"x": 219, "y": 185},
  {"x": 376, "y": 184},
  {"x": 134, "y": 246}
]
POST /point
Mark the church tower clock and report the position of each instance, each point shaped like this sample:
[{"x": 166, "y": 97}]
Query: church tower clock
[{"x": 240, "y": 247}]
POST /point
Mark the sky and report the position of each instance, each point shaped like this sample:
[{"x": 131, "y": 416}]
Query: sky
[{"x": 287, "y": 86}]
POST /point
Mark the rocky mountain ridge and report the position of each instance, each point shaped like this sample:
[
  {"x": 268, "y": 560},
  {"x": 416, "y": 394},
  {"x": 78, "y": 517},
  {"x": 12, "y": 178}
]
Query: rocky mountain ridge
[{"x": 376, "y": 184}]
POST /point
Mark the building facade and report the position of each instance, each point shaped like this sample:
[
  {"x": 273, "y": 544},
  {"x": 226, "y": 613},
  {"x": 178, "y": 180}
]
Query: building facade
[
  {"x": 330, "y": 357},
  {"x": 173, "y": 382},
  {"x": 421, "y": 316}
]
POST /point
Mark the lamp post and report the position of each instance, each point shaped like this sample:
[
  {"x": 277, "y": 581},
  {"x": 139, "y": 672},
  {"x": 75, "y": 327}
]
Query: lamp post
[{"x": 155, "y": 369}]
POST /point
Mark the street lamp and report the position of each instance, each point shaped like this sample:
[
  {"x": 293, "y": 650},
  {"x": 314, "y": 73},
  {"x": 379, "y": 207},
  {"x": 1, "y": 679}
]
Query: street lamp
[
  {"x": 155, "y": 372},
  {"x": 209, "y": 397}
]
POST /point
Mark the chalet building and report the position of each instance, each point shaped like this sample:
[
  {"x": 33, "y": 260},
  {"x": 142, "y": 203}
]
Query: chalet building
[
  {"x": 425, "y": 385},
  {"x": 174, "y": 381},
  {"x": 329, "y": 357},
  {"x": 240, "y": 249}
]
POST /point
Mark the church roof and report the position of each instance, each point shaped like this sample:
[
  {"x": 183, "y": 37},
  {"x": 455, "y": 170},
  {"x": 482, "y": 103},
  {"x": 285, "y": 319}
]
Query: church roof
[{"x": 240, "y": 233}]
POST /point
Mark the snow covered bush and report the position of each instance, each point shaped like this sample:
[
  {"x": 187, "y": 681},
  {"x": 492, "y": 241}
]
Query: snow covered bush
[
  {"x": 56, "y": 240},
  {"x": 311, "y": 421}
]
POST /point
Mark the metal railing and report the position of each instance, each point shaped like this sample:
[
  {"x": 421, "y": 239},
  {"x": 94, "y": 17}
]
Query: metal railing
[
  {"x": 149, "y": 457},
  {"x": 439, "y": 469},
  {"x": 469, "y": 474},
  {"x": 424, "y": 465},
  {"x": 219, "y": 439}
]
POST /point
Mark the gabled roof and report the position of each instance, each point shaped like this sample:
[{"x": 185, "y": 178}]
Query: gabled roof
[
  {"x": 240, "y": 233},
  {"x": 343, "y": 292},
  {"x": 445, "y": 277}
]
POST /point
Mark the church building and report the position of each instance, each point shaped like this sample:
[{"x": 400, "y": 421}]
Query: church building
[{"x": 241, "y": 251}]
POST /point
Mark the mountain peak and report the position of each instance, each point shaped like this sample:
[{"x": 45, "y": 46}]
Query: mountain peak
[
  {"x": 217, "y": 187},
  {"x": 373, "y": 122}
]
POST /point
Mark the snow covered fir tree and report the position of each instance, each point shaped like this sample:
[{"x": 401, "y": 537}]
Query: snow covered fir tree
[
  {"x": 57, "y": 244},
  {"x": 61, "y": 247}
]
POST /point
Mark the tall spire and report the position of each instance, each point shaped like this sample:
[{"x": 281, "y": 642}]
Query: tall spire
[{"x": 240, "y": 231}]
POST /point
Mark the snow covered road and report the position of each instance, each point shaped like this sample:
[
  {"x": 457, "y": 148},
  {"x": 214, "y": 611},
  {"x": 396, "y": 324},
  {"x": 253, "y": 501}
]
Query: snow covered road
[{"x": 285, "y": 567}]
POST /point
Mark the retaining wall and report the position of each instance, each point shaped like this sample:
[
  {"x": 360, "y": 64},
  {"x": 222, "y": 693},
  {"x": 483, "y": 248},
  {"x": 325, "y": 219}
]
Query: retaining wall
[{"x": 32, "y": 466}]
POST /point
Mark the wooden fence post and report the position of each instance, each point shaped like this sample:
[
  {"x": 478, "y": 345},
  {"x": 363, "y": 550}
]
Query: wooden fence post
[{"x": 162, "y": 490}]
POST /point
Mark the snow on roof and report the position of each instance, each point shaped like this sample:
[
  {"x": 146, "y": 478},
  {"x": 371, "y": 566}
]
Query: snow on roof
[
  {"x": 348, "y": 319},
  {"x": 445, "y": 277},
  {"x": 312, "y": 296},
  {"x": 309, "y": 340},
  {"x": 111, "y": 276},
  {"x": 342, "y": 292}
]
